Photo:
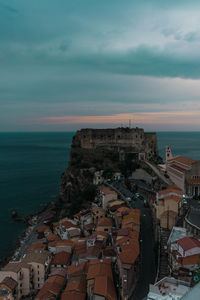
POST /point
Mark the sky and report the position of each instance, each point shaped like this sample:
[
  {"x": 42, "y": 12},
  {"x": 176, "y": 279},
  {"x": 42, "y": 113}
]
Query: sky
[{"x": 68, "y": 64}]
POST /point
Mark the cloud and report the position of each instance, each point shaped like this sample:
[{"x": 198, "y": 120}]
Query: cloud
[
  {"x": 175, "y": 118},
  {"x": 96, "y": 57}
]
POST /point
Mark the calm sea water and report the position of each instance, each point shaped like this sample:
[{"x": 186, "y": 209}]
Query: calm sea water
[{"x": 30, "y": 169}]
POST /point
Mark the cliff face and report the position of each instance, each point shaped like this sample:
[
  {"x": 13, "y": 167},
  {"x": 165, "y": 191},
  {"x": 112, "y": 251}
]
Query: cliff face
[{"x": 111, "y": 150}]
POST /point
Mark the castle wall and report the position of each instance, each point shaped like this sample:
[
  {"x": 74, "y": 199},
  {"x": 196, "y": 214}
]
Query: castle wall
[{"x": 130, "y": 140}]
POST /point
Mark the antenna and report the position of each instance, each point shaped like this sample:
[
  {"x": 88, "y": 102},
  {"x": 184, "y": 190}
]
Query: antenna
[{"x": 129, "y": 123}]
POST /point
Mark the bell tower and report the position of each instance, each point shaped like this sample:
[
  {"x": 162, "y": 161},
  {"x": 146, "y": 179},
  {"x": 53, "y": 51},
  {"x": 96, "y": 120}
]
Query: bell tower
[{"x": 168, "y": 153}]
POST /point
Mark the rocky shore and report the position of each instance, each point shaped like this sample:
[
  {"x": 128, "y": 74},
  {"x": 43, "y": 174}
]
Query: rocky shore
[{"x": 29, "y": 236}]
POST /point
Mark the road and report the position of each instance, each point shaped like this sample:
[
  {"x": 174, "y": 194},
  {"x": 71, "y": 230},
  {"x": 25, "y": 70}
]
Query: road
[
  {"x": 158, "y": 173},
  {"x": 31, "y": 236},
  {"x": 148, "y": 268}
]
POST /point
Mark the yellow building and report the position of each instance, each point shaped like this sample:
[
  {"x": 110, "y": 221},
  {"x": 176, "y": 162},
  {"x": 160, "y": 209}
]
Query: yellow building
[{"x": 169, "y": 203}]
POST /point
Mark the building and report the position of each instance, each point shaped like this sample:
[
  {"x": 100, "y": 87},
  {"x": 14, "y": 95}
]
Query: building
[
  {"x": 21, "y": 273},
  {"x": 39, "y": 261},
  {"x": 107, "y": 196},
  {"x": 105, "y": 224},
  {"x": 168, "y": 206},
  {"x": 100, "y": 280},
  {"x": 184, "y": 172},
  {"x": 98, "y": 213},
  {"x": 8, "y": 289},
  {"x": 98, "y": 177},
  {"x": 134, "y": 141},
  {"x": 60, "y": 259},
  {"x": 52, "y": 288},
  {"x": 184, "y": 257},
  {"x": 128, "y": 266},
  {"x": 168, "y": 288},
  {"x": 30, "y": 273}
]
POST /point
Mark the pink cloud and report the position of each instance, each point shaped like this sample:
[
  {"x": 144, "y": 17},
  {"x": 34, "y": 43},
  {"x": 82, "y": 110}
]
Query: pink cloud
[{"x": 176, "y": 117}]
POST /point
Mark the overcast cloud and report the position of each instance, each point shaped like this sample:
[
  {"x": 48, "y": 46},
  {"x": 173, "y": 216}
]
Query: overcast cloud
[{"x": 98, "y": 58}]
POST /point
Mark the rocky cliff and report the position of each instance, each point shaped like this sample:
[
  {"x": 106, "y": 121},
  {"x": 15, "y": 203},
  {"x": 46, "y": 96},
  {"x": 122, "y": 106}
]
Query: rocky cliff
[{"x": 111, "y": 150}]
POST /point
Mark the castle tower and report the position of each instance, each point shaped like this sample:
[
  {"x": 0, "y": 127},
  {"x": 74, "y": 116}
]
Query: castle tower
[{"x": 168, "y": 153}]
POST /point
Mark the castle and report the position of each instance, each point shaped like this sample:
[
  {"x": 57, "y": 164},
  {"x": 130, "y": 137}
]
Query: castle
[{"x": 141, "y": 145}]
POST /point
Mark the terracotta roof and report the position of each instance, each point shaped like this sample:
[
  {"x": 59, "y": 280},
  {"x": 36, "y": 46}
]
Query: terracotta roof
[
  {"x": 123, "y": 209},
  {"x": 193, "y": 180},
  {"x": 103, "y": 187},
  {"x": 80, "y": 247},
  {"x": 39, "y": 257},
  {"x": 187, "y": 243},
  {"x": 130, "y": 253},
  {"x": 73, "y": 295},
  {"x": 170, "y": 213},
  {"x": 58, "y": 271},
  {"x": 99, "y": 269},
  {"x": 171, "y": 189},
  {"x": 109, "y": 192},
  {"x": 40, "y": 246},
  {"x": 66, "y": 225},
  {"x": 131, "y": 218},
  {"x": 123, "y": 232},
  {"x": 104, "y": 286},
  {"x": 10, "y": 283},
  {"x": 109, "y": 251},
  {"x": 82, "y": 213},
  {"x": 61, "y": 258},
  {"x": 190, "y": 260},
  {"x": 183, "y": 160},
  {"x": 44, "y": 228},
  {"x": 74, "y": 233},
  {"x": 52, "y": 237},
  {"x": 51, "y": 288},
  {"x": 101, "y": 233},
  {"x": 107, "y": 222},
  {"x": 114, "y": 208},
  {"x": 77, "y": 270},
  {"x": 97, "y": 208},
  {"x": 173, "y": 197},
  {"x": 93, "y": 251},
  {"x": 178, "y": 168},
  {"x": 66, "y": 219},
  {"x": 64, "y": 243},
  {"x": 77, "y": 284}
]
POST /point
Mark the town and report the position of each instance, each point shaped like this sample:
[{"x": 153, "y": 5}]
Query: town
[{"x": 134, "y": 241}]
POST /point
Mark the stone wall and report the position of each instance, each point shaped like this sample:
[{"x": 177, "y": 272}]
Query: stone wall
[{"x": 129, "y": 140}]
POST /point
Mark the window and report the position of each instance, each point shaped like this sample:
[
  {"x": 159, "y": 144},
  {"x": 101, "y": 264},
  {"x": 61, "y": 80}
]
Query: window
[
  {"x": 38, "y": 272},
  {"x": 38, "y": 278},
  {"x": 38, "y": 285}
]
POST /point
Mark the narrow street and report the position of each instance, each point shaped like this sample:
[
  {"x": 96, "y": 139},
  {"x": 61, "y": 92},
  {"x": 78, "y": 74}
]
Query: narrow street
[
  {"x": 158, "y": 173},
  {"x": 148, "y": 267}
]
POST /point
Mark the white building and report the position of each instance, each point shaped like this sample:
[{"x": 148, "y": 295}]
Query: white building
[{"x": 168, "y": 288}]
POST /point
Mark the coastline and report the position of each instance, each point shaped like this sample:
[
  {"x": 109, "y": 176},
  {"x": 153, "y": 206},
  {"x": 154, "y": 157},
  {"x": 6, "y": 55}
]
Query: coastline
[{"x": 24, "y": 240}]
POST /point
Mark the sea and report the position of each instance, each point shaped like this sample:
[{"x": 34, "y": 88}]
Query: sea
[{"x": 31, "y": 165}]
